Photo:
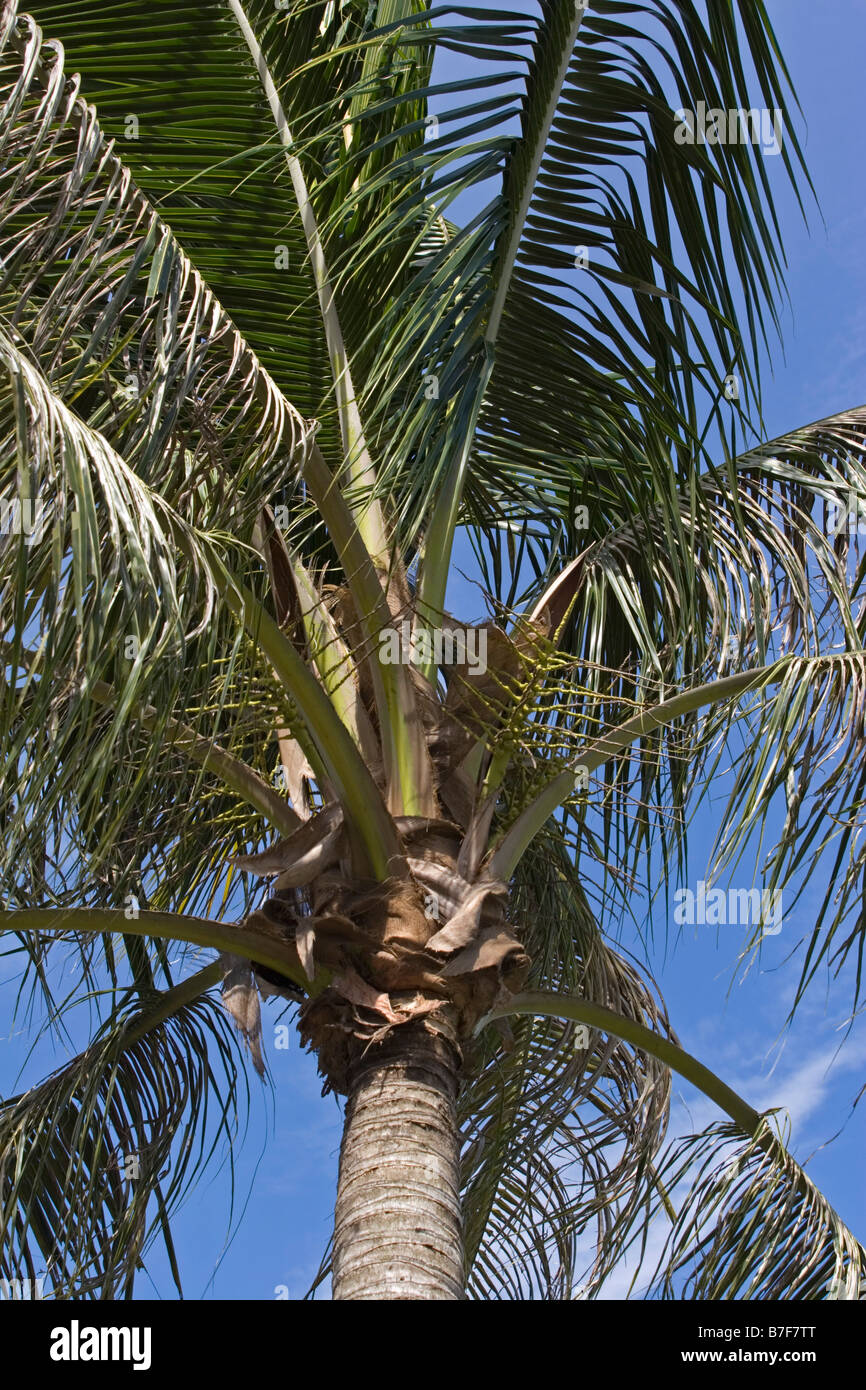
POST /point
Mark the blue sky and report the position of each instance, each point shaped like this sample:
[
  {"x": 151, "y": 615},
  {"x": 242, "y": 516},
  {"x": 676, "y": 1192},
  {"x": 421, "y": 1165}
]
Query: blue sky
[{"x": 286, "y": 1171}]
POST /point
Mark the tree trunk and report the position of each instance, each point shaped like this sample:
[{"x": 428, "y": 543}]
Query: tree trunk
[{"x": 397, "y": 1230}]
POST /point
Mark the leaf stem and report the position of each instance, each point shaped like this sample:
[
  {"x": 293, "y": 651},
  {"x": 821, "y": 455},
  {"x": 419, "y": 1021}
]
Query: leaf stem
[
  {"x": 173, "y": 926},
  {"x": 359, "y": 463},
  {"x": 549, "y": 1004}
]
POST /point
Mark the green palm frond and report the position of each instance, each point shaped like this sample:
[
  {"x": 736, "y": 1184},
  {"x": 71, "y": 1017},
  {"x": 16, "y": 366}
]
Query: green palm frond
[
  {"x": 94, "y": 1159},
  {"x": 621, "y": 372},
  {"x": 772, "y": 561},
  {"x": 799, "y": 722},
  {"x": 139, "y": 430},
  {"x": 357, "y": 91},
  {"x": 562, "y": 1128},
  {"x": 190, "y": 123},
  {"x": 751, "y": 1224},
  {"x": 643, "y": 319},
  {"x": 203, "y": 144}
]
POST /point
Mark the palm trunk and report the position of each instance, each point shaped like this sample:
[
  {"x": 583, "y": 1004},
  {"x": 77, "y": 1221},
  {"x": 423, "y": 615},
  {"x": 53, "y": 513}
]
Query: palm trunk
[{"x": 397, "y": 1231}]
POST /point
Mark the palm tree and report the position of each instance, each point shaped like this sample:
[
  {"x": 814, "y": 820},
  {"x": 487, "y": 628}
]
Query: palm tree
[{"x": 255, "y": 378}]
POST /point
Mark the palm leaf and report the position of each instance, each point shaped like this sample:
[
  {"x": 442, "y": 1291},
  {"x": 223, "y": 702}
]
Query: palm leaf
[
  {"x": 94, "y": 1159},
  {"x": 561, "y": 1129},
  {"x": 138, "y": 487},
  {"x": 751, "y": 1224}
]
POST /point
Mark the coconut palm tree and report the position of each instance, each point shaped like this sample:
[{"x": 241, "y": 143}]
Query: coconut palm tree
[{"x": 260, "y": 366}]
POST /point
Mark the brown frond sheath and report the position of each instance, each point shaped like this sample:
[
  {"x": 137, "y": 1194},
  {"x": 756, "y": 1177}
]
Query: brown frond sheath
[{"x": 413, "y": 965}]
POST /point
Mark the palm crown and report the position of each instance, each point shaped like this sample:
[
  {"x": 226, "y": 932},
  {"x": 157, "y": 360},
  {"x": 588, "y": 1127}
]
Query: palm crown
[{"x": 257, "y": 372}]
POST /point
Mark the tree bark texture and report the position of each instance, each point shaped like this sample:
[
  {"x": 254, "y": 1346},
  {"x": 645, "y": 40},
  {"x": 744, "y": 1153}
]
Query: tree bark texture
[{"x": 397, "y": 1231}]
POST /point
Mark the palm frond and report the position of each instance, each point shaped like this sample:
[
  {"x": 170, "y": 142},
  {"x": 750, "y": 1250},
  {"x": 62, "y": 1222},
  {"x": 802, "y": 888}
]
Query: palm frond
[
  {"x": 94, "y": 1159},
  {"x": 143, "y": 437},
  {"x": 183, "y": 103},
  {"x": 561, "y": 1128},
  {"x": 772, "y": 552},
  {"x": 751, "y": 1224}
]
